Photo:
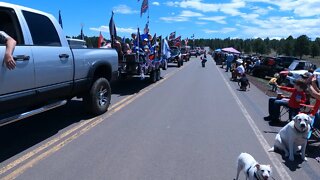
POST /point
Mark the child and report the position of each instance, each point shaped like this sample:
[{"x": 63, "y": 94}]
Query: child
[
  {"x": 297, "y": 97},
  {"x": 273, "y": 82},
  {"x": 243, "y": 82}
]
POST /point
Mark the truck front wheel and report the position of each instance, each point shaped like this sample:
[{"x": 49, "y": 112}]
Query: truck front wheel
[{"x": 98, "y": 99}]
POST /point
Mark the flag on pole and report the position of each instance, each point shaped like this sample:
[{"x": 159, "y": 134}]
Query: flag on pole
[
  {"x": 154, "y": 39},
  {"x": 144, "y": 7},
  {"x": 177, "y": 41},
  {"x": 146, "y": 28},
  {"x": 172, "y": 35},
  {"x": 112, "y": 30},
  {"x": 166, "y": 49},
  {"x": 60, "y": 19},
  {"x": 100, "y": 40},
  {"x": 81, "y": 33},
  {"x": 186, "y": 41}
]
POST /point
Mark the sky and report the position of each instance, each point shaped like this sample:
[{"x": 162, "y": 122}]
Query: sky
[{"x": 204, "y": 18}]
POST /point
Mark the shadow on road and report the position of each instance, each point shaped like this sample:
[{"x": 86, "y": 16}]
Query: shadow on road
[{"x": 20, "y": 136}]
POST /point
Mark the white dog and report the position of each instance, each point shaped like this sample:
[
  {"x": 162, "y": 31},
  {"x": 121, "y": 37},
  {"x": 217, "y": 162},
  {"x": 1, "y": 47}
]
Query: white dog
[
  {"x": 252, "y": 169},
  {"x": 293, "y": 137}
]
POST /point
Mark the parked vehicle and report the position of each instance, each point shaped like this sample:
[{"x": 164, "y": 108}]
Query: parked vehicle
[
  {"x": 175, "y": 56},
  {"x": 268, "y": 67},
  {"x": 49, "y": 72},
  {"x": 295, "y": 70},
  {"x": 285, "y": 61}
]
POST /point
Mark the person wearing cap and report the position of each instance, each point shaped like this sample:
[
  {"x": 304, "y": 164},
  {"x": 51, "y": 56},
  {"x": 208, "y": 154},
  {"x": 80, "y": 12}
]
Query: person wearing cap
[
  {"x": 240, "y": 69},
  {"x": 10, "y": 45}
]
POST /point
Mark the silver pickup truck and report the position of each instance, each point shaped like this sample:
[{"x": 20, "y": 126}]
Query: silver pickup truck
[{"x": 48, "y": 71}]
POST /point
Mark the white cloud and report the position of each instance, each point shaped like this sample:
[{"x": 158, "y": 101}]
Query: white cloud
[
  {"x": 190, "y": 14},
  {"x": 182, "y": 17},
  {"x": 119, "y": 29},
  {"x": 218, "y": 19},
  {"x": 174, "y": 19},
  {"x": 156, "y": 3},
  {"x": 124, "y": 9},
  {"x": 201, "y": 23},
  {"x": 223, "y": 30}
]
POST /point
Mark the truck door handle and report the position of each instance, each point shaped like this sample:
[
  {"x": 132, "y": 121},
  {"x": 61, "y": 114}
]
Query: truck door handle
[
  {"x": 63, "y": 55},
  {"x": 21, "y": 58}
]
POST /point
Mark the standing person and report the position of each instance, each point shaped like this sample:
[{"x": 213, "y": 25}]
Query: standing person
[
  {"x": 229, "y": 61},
  {"x": 10, "y": 45},
  {"x": 297, "y": 97}
]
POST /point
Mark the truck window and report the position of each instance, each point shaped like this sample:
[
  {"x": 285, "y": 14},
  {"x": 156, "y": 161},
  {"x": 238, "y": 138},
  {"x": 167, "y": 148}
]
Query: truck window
[
  {"x": 10, "y": 25},
  {"x": 42, "y": 30}
]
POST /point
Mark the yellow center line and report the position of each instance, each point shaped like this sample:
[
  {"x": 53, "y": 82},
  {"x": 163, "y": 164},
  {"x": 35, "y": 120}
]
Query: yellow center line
[{"x": 90, "y": 124}]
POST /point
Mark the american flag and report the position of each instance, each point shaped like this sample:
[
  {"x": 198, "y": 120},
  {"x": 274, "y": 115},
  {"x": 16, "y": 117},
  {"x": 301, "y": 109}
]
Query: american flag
[
  {"x": 172, "y": 35},
  {"x": 144, "y": 7}
]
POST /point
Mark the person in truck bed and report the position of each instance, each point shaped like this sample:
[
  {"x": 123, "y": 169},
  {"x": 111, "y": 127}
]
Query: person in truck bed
[{"x": 10, "y": 45}]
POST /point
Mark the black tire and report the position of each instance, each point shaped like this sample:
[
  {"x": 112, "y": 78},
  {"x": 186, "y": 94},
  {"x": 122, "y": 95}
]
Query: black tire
[
  {"x": 158, "y": 74},
  {"x": 179, "y": 64},
  {"x": 98, "y": 99},
  {"x": 153, "y": 76}
]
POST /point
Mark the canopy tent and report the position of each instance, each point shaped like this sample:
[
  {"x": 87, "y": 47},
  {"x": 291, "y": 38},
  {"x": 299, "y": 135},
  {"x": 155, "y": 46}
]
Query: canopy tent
[
  {"x": 231, "y": 50},
  {"x": 217, "y": 50}
]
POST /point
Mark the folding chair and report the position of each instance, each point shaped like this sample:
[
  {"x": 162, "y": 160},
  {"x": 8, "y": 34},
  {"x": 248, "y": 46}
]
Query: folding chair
[{"x": 284, "y": 114}]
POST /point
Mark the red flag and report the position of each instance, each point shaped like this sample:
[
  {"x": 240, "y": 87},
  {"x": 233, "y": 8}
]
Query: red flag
[{"x": 100, "y": 40}]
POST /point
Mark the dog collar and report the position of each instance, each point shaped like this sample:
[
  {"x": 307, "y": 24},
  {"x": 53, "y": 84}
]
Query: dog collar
[{"x": 254, "y": 174}]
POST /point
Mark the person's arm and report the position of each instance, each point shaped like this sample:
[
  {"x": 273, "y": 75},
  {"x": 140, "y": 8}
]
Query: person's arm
[
  {"x": 314, "y": 93},
  {"x": 314, "y": 84},
  {"x": 286, "y": 88},
  {"x": 10, "y": 45}
]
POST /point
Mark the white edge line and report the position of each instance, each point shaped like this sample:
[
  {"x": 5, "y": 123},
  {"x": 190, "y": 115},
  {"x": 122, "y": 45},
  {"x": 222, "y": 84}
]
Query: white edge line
[{"x": 275, "y": 161}]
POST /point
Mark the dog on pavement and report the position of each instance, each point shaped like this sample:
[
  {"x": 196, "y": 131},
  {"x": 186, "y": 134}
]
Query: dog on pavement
[
  {"x": 252, "y": 169},
  {"x": 293, "y": 137}
]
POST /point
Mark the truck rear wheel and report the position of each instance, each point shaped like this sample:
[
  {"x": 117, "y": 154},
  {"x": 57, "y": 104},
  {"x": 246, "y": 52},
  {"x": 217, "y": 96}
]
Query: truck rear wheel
[{"x": 98, "y": 99}]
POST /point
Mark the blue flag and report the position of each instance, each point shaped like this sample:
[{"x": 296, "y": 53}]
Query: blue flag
[{"x": 60, "y": 19}]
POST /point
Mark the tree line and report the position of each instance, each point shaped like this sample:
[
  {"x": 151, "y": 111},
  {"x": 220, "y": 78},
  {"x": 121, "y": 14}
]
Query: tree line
[
  {"x": 290, "y": 46},
  {"x": 300, "y": 46}
]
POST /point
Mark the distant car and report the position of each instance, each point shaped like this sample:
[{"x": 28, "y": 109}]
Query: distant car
[
  {"x": 185, "y": 55},
  {"x": 175, "y": 56},
  {"x": 295, "y": 71},
  {"x": 193, "y": 52}
]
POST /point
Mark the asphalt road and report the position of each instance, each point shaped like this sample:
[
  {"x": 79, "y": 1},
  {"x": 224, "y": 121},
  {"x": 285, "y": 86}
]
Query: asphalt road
[{"x": 190, "y": 125}]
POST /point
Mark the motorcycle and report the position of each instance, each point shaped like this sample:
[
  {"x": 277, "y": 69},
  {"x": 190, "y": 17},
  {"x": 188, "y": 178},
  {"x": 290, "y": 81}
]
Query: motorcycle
[{"x": 203, "y": 61}]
